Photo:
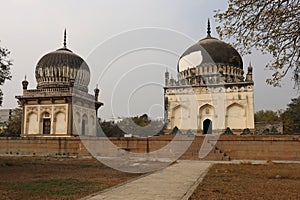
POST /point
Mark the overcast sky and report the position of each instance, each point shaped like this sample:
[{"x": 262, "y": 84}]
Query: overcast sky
[{"x": 127, "y": 44}]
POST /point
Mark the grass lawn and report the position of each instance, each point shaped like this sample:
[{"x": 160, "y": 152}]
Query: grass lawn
[
  {"x": 247, "y": 181},
  {"x": 52, "y": 178}
]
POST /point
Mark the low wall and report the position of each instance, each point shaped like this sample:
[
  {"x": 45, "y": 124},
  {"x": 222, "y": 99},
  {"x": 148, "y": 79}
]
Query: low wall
[
  {"x": 32, "y": 146},
  {"x": 261, "y": 147},
  {"x": 235, "y": 147}
]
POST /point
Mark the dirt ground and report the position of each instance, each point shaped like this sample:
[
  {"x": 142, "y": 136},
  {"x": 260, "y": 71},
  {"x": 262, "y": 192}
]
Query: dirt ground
[
  {"x": 67, "y": 178},
  {"x": 53, "y": 178},
  {"x": 246, "y": 181}
]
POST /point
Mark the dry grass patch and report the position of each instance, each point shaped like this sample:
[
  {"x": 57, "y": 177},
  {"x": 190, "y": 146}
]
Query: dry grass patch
[
  {"x": 247, "y": 181},
  {"x": 51, "y": 178}
]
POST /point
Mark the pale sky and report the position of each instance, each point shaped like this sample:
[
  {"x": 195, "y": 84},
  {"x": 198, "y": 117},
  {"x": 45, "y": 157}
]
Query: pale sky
[{"x": 127, "y": 44}]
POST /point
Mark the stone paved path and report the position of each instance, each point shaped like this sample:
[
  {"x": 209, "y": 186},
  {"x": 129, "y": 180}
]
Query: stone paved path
[{"x": 177, "y": 181}]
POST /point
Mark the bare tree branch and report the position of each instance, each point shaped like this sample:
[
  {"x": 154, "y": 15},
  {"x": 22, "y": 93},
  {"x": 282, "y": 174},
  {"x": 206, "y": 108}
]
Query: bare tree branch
[{"x": 271, "y": 26}]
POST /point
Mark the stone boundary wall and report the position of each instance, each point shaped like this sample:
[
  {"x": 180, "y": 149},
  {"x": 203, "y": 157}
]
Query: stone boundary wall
[
  {"x": 268, "y": 128},
  {"x": 34, "y": 146},
  {"x": 277, "y": 147}
]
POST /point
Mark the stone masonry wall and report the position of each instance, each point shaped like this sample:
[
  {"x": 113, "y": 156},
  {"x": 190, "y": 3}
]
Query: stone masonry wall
[{"x": 227, "y": 147}]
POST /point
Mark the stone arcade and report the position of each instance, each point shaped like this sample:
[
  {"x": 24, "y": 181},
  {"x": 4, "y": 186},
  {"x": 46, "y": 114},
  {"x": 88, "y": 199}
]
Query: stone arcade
[
  {"x": 60, "y": 105},
  {"x": 211, "y": 92}
]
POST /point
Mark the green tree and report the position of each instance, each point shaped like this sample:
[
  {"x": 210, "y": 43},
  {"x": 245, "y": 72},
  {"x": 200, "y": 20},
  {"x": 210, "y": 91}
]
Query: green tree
[
  {"x": 141, "y": 126},
  {"x": 266, "y": 116},
  {"x": 110, "y": 129},
  {"x": 142, "y": 120},
  {"x": 5, "y": 64},
  {"x": 270, "y": 26},
  {"x": 15, "y": 122},
  {"x": 291, "y": 117}
]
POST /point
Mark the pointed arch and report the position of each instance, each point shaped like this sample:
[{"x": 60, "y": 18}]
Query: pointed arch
[
  {"x": 84, "y": 125},
  {"x": 32, "y": 123},
  {"x": 180, "y": 116},
  {"x": 92, "y": 124},
  {"x": 206, "y": 111},
  {"x": 235, "y": 116},
  {"x": 76, "y": 123},
  {"x": 60, "y": 123}
]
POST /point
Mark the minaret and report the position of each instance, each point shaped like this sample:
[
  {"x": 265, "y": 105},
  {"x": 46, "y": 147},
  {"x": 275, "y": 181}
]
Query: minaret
[
  {"x": 167, "y": 77},
  {"x": 96, "y": 90},
  {"x": 97, "y": 104},
  {"x": 249, "y": 76},
  {"x": 25, "y": 84}
]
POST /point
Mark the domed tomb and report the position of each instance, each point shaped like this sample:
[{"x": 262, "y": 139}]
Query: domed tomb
[
  {"x": 62, "y": 69},
  {"x": 210, "y": 50},
  {"x": 60, "y": 106},
  {"x": 211, "y": 93}
]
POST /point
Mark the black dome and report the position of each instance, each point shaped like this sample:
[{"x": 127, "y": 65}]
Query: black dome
[
  {"x": 62, "y": 68},
  {"x": 215, "y": 51}
]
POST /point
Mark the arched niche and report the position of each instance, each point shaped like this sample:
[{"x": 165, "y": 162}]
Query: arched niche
[
  {"x": 235, "y": 116},
  {"x": 84, "y": 125},
  {"x": 60, "y": 123},
  {"x": 180, "y": 116},
  {"x": 32, "y": 123}
]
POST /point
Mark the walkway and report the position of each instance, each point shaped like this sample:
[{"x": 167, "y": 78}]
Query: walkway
[{"x": 177, "y": 181}]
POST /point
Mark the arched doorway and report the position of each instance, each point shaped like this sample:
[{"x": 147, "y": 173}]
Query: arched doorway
[
  {"x": 207, "y": 126},
  {"x": 46, "y": 123}
]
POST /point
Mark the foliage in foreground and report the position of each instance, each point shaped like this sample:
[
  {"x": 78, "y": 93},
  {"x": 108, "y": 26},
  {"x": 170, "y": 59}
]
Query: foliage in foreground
[
  {"x": 272, "y": 27},
  {"x": 14, "y": 122},
  {"x": 289, "y": 117},
  {"x": 141, "y": 126},
  {"x": 266, "y": 116},
  {"x": 5, "y": 64}
]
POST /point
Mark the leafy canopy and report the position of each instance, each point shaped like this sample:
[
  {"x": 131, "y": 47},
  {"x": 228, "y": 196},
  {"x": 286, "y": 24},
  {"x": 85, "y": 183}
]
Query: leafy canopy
[
  {"x": 5, "y": 64},
  {"x": 15, "y": 122},
  {"x": 291, "y": 116},
  {"x": 271, "y": 26},
  {"x": 266, "y": 116}
]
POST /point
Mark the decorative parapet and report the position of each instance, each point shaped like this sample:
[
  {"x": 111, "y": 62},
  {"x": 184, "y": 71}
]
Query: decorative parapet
[{"x": 209, "y": 74}]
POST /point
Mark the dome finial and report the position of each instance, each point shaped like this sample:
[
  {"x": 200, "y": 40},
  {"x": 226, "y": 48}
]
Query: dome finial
[
  {"x": 65, "y": 38},
  {"x": 208, "y": 28},
  {"x": 250, "y": 65},
  {"x": 25, "y": 84}
]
